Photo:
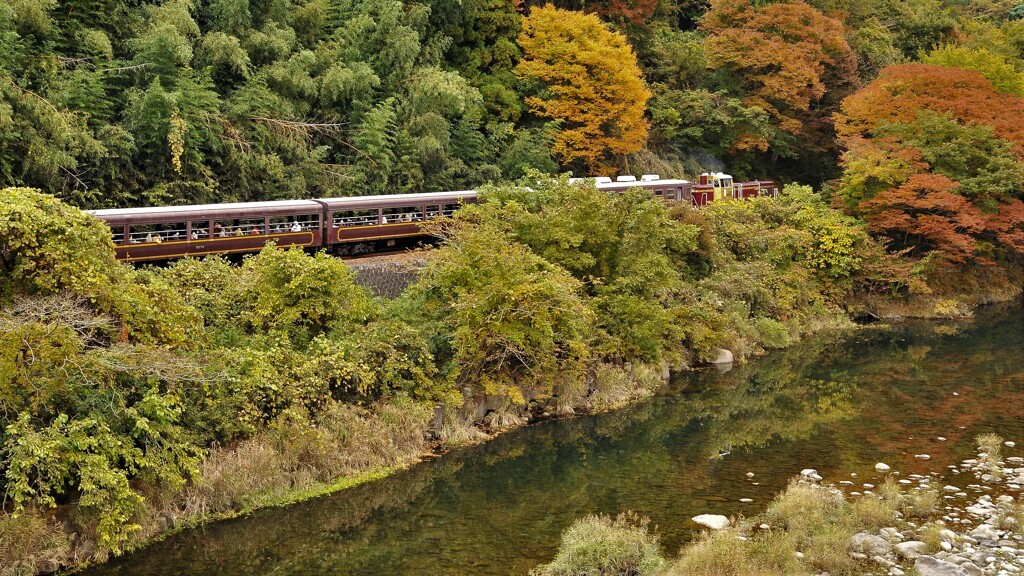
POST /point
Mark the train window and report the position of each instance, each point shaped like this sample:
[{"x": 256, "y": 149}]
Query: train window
[
  {"x": 280, "y": 224},
  {"x": 117, "y": 233},
  {"x": 354, "y": 218},
  {"x": 200, "y": 230},
  {"x": 238, "y": 227},
  {"x": 449, "y": 209},
  {"x": 156, "y": 233},
  {"x": 659, "y": 193},
  {"x": 401, "y": 214},
  {"x": 433, "y": 211},
  {"x": 297, "y": 223}
]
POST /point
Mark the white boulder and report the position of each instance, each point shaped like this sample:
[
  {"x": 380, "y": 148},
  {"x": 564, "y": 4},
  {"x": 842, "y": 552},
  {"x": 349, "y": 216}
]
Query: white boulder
[{"x": 712, "y": 521}]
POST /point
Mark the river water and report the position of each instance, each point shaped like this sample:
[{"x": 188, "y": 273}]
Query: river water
[{"x": 837, "y": 403}]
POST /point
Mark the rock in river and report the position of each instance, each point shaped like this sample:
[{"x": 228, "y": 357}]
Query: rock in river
[
  {"x": 928, "y": 566},
  {"x": 881, "y": 467},
  {"x": 713, "y": 521},
  {"x": 911, "y": 549},
  {"x": 869, "y": 544},
  {"x": 724, "y": 357}
]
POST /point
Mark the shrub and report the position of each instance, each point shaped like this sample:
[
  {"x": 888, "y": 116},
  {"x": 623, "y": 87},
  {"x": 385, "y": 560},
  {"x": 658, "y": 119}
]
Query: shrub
[
  {"x": 723, "y": 553},
  {"x": 603, "y": 546}
]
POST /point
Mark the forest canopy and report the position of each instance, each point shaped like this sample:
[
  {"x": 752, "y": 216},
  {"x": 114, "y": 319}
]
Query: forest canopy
[{"x": 107, "y": 103}]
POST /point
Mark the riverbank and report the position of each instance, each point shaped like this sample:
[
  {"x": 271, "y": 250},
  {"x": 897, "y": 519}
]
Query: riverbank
[
  {"x": 263, "y": 472},
  {"x": 903, "y": 525},
  {"x": 290, "y": 463}
]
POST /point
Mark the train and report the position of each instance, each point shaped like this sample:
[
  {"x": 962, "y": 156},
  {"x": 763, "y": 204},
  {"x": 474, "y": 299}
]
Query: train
[{"x": 350, "y": 225}]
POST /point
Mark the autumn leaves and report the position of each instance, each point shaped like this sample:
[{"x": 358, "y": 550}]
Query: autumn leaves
[{"x": 588, "y": 81}]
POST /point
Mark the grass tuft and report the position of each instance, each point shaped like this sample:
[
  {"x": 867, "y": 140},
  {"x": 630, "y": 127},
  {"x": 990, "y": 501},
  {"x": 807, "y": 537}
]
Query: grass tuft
[
  {"x": 603, "y": 546},
  {"x": 29, "y": 541}
]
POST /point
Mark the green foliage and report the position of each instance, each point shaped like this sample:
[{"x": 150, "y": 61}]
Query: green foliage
[
  {"x": 47, "y": 246},
  {"x": 288, "y": 292},
  {"x": 984, "y": 165},
  {"x": 507, "y": 320},
  {"x": 836, "y": 240},
  {"x": 601, "y": 545},
  {"x": 1004, "y": 76},
  {"x": 625, "y": 249}
]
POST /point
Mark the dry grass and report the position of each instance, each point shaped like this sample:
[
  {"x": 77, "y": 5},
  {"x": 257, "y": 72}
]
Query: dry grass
[
  {"x": 723, "y": 553},
  {"x": 922, "y": 504},
  {"x": 29, "y": 540},
  {"x": 612, "y": 386},
  {"x": 990, "y": 452},
  {"x": 458, "y": 430},
  {"x": 600, "y": 545},
  {"x": 294, "y": 456},
  {"x": 816, "y": 521}
]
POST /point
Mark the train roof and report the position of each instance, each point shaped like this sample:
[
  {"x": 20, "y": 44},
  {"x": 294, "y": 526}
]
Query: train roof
[
  {"x": 641, "y": 183},
  {"x": 230, "y": 210},
  {"x": 395, "y": 200}
]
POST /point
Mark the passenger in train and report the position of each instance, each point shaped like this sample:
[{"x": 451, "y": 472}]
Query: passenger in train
[
  {"x": 238, "y": 231},
  {"x": 296, "y": 227},
  {"x": 383, "y": 219},
  {"x": 255, "y": 230},
  {"x": 219, "y": 230}
]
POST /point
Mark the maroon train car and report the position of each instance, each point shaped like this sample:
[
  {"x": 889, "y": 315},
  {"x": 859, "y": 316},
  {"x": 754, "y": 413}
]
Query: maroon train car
[
  {"x": 354, "y": 224},
  {"x": 161, "y": 233}
]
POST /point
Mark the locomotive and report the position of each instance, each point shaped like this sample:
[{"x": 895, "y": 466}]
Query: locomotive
[{"x": 349, "y": 225}]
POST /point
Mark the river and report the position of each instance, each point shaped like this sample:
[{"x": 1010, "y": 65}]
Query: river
[{"x": 838, "y": 403}]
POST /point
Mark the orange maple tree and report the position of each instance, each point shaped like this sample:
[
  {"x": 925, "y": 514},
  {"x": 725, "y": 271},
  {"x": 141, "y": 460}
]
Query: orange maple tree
[
  {"x": 923, "y": 215},
  {"x": 887, "y": 181},
  {"x": 788, "y": 56},
  {"x": 901, "y": 92},
  {"x": 588, "y": 80}
]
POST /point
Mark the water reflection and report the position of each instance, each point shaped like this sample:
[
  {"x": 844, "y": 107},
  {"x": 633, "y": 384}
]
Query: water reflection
[{"x": 838, "y": 404}]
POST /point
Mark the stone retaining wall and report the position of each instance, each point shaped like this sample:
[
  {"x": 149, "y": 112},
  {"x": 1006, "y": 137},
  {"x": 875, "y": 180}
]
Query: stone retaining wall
[{"x": 387, "y": 279}]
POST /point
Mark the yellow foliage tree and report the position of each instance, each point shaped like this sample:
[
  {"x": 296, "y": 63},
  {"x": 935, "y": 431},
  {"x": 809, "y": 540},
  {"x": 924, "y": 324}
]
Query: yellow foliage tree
[{"x": 589, "y": 82}]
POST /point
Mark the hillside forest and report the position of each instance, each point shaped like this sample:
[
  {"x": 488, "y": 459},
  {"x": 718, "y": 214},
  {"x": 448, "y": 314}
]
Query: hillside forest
[{"x": 137, "y": 400}]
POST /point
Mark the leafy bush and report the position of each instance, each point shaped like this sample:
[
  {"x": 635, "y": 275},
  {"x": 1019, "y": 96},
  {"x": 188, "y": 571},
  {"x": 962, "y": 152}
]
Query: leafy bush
[
  {"x": 603, "y": 546},
  {"x": 47, "y": 246},
  {"x": 506, "y": 319}
]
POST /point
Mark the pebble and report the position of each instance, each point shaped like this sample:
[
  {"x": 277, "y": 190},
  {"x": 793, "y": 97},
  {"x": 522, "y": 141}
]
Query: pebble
[
  {"x": 882, "y": 467},
  {"x": 750, "y": 474},
  {"x": 1009, "y": 443},
  {"x": 746, "y": 500},
  {"x": 922, "y": 456}
]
